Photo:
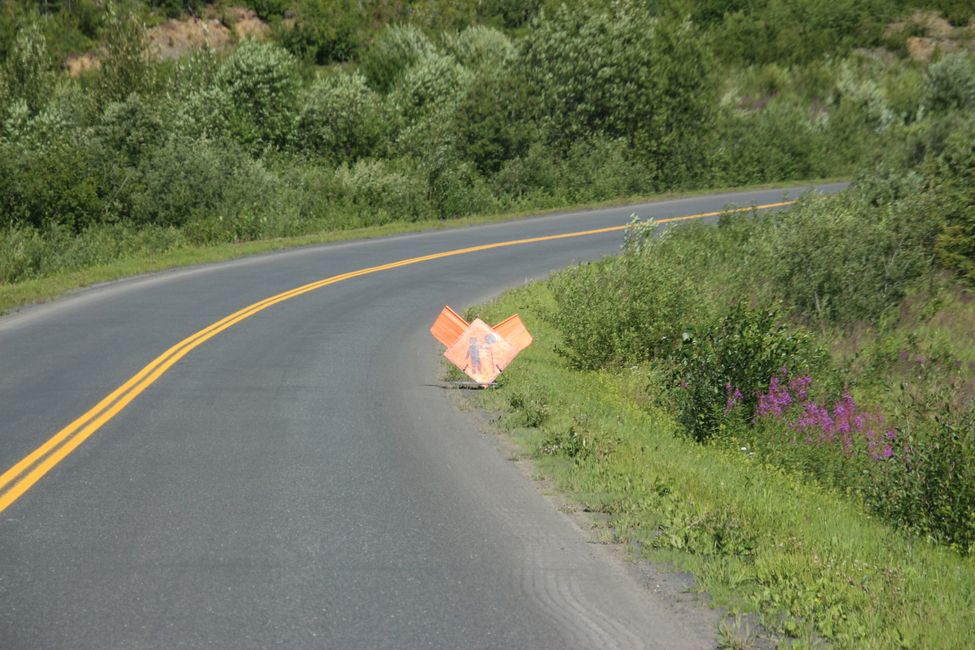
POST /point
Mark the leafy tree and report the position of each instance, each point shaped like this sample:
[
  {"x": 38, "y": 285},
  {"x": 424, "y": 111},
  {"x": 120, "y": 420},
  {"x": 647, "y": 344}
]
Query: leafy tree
[
  {"x": 480, "y": 47},
  {"x": 125, "y": 67},
  {"x": 396, "y": 49},
  {"x": 433, "y": 83},
  {"x": 950, "y": 83},
  {"x": 325, "y": 31},
  {"x": 621, "y": 73},
  {"x": 28, "y": 72},
  {"x": 342, "y": 118},
  {"x": 258, "y": 90}
]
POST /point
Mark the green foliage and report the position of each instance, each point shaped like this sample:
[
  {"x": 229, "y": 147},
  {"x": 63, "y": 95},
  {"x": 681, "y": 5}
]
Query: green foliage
[
  {"x": 951, "y": 195},
  {"x": 780, "y": 141},
  {"x": 434, "y": 83},
  {"x": 377, "y": 192},
  {"x": 621, "y": 310},
  {"x": 397, "y": 48},
  {"x": 929, "y": 485},
  {"x": 324, "y": 31},
  {"x": 950, "y": 83},
  {"x": 342, "y": 119},
  {"x": 728, "y": 362},
  {"x": 622, "y": 74},
  {"x": 258, "y": 91},
  {"x": 27, "y": 72},
  {"x": 268, "y": 9},
  {"x": 125, "y": 67},
  {"x": 844, "y": 263},
  {"x": 480, "y": 47},
  {"x": 489, "y": 122}
]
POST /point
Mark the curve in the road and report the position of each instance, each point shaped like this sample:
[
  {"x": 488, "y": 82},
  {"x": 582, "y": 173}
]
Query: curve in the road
[{"x": 39, "y": 462}]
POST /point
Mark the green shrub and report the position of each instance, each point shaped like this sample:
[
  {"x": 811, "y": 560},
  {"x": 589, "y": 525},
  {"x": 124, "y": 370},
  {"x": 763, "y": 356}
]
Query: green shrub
[
  {"x": 432, "y": 84},
  {"x": 950, "y": 180},
  {"x": 57, "y": 183},
  {"x": 131, "y": 127},
  {"x": 185, "y": 181},
  {"x": 726, "y": 363},
  {"x": 480, "y": 47},
  {"x": 28, "y": 72},
  {"x": 778, "y": 142},
  {"x": 950, "y": 83},
  {"x": 837, "y": 261},
  {"x": 377, "y": 192},
  {"x": 342, "y": 119},
  {"x": 622, "y": 74},
  {"x": 489, "y": 123},
  {"x": 125, "y": 65},
  {"x": 621, "y": 310},
  {"x": 928, "y": 486},
  {"x": 324, "y": 31},
  {"x": 396, "y": 49},
  {"x": 256, "y": 94}
]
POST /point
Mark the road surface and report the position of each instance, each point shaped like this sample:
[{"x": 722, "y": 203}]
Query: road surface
[{"x": 297, "y": 479}]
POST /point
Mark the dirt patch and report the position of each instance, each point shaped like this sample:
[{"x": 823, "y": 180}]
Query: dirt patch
[
  {"x": 181, "y": 37},
  {"x": 928, "y": 33},
  {"x": 245, "y": 23},
  {"x": 176, "y": 38},
  {"x": 78, "y": 64}
]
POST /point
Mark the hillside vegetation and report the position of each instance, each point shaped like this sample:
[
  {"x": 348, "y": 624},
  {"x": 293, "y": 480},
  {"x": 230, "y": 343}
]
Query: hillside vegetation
[{"x": 350, "y": 114}]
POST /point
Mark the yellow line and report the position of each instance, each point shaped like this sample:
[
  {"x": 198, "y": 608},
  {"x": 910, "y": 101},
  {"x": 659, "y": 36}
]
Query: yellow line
[{"x": 40, "y": 461}]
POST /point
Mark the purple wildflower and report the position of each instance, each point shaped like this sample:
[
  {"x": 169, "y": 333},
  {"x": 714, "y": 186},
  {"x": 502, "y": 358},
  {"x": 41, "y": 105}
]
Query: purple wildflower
[
  {"x": 733, "y": 397},
  {"x": 775, "y": 401}
]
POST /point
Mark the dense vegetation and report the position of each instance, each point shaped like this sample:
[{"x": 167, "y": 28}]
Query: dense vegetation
[
  {"x": 818, "y": 364},
  {"x": 353, "y": 114}
]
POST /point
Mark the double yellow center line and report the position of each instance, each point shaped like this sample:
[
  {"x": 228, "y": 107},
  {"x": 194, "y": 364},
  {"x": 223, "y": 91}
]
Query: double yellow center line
[{"x": 22, "y": 476}]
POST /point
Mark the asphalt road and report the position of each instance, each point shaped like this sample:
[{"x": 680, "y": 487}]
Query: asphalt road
[{"x": 300, "y": 479}]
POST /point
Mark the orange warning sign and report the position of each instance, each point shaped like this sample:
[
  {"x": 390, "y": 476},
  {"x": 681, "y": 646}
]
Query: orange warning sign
[{"x": 479, "y": 350}]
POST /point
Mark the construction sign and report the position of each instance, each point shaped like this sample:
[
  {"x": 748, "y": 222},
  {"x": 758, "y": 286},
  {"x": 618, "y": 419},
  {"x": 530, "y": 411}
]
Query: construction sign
[{"x": 477, "y": 349}]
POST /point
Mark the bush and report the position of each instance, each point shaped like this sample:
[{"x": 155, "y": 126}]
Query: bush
[
  {"x": 342, "y": 119},
  {"x": 950, "y": 180},
  {"x": 725, "y": 364},
  {"x": 324, "y": 31},
  {"x": 489, "y": 123},
  {"x": 777, "y": 142},
  {"x": 396, "y": 49},
  {"x": 480, "y": 47},
  {"x": 57, "y": 183},
  {"x": 377, "y": 192},
  {"x": 622, "y": 74},
  {"x": 950, "y": 83},
  {"x": 837, "y": 261},
  {"x": 622, "y": 310},
  {"x": 27, "y": 72},
  {"x": 256, "y": 94},
  {"x": 928, "y": 486},
  {"x": 432, "y": 84},
  {"x": 125, "y": 66},
  {"x": 185, "y": 181}
]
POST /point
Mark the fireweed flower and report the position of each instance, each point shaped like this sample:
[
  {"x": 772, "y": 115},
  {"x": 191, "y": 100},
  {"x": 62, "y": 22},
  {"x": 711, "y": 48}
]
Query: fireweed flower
[
  {"x": 788, "y": 401},
  {"x": 733, "y": 397}
]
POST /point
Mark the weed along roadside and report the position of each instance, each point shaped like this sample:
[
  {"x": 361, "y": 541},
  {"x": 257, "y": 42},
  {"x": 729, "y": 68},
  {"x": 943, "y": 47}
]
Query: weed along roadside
[{"x": 755, "y": 451}]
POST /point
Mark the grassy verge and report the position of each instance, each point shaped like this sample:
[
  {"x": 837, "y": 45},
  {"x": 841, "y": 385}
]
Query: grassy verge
[
  {"x": 813, "y": 566},
  {"x": 46, "y": 288}
]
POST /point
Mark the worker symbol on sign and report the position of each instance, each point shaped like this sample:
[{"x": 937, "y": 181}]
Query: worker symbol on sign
[{"x": 479, "y": 350}]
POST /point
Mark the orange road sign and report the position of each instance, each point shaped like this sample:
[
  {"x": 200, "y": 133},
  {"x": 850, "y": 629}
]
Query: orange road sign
[{"x": 478, "y": 349}]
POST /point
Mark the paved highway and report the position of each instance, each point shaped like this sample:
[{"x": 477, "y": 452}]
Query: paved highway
[{"x": 295, "y": 477}]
